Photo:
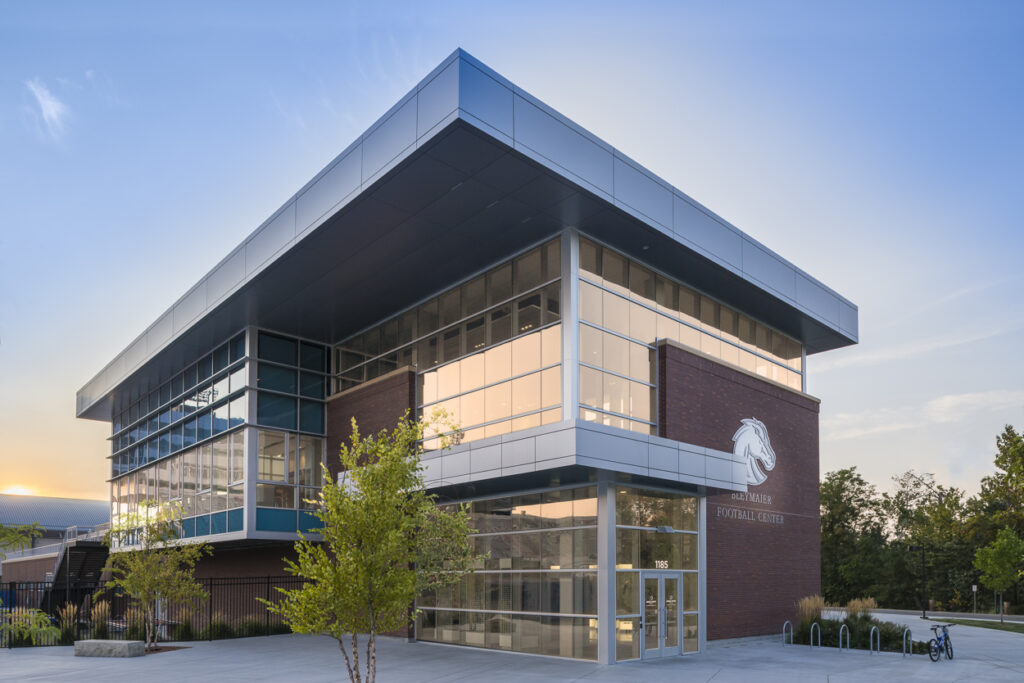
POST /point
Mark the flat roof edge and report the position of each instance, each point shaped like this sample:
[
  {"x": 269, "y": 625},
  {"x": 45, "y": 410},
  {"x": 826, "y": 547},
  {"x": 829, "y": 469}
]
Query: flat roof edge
[{"x": 492, "y": 104}]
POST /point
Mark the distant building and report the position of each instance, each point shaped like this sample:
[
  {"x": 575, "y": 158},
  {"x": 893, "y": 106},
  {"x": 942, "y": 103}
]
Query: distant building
[
  {"x": 640, "y": 455},
  {"x": 54, "y": 516}
]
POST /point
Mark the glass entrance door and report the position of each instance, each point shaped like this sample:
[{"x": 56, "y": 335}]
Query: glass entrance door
[{"x": 661, "y": 614}]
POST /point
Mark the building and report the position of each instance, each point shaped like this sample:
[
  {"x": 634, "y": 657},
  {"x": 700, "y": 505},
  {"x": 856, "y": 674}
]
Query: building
[
  {"x": 57, "y": 520},
  {"x": 639, "y": 452}
]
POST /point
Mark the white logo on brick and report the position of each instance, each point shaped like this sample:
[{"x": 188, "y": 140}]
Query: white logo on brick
[{"x": 751, "y": 443}]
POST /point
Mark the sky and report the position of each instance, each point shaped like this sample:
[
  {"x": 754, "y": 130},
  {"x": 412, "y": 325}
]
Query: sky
[{"x": 878, "y": 146}]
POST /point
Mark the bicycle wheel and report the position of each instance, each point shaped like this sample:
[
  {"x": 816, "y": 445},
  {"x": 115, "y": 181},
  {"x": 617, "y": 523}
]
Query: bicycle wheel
[
  {"x": 933, "y": 650},
  {"x": 949, "y": 648}
]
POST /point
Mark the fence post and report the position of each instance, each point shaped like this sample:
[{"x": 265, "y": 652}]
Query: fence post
[
  {"x": 209, "y": 611},
  {"x": 266, "y": 612}
]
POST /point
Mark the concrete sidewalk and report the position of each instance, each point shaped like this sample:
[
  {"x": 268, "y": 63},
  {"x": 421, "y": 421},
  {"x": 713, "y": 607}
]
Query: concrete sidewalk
[{"x": 981, "y": 655}]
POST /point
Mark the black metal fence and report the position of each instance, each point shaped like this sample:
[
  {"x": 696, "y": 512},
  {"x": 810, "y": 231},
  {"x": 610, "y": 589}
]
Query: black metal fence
[{"x": 94, "y": 611}]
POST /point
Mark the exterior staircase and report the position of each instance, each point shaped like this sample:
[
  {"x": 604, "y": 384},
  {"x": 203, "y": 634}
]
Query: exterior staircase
[{"x": 77, "y": 571}]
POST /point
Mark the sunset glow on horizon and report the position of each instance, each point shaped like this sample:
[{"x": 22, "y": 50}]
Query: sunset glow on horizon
[{"x": 18, "y": 491}]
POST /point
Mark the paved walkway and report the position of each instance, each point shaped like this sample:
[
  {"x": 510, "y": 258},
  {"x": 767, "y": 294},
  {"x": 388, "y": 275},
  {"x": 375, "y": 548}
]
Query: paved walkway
[{"x": 981, "y": 655}]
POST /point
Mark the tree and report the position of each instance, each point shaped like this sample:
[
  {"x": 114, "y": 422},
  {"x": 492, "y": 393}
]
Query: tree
[
  {"x": 17, "y": 537},
  {"x": 20, "y": 623},
  {"x": 385, "y": 541},
  {"x": 852, "y": 536},
  {"x": 151, "y": 565},
  {"x": 1000, "y": 561}
]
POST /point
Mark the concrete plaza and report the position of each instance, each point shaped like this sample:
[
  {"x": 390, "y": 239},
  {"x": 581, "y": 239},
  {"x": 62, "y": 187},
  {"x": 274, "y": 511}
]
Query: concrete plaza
[{"x": 981, "y": 655}]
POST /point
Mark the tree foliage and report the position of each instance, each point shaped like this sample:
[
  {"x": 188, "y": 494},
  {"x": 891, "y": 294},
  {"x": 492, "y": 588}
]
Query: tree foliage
[
  {"x": 385, "y": 541},
  {"x": 21, "y": 623},
  {"x": 18, "y": 537},
  {"x": 1000, "y": 561},
  {"x": 866, "y": 535},
  {"x": 151, "y": 565}
]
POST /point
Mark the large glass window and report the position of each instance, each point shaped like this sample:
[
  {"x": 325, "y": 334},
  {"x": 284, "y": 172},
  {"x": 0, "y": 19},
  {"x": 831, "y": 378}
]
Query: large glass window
[
  {"x": 487, "y": 352},
  {"x": 206, "y": 479},
  {"x": 208, "y": 395},
  {"x": 289, "y": 469},
  {"x": 625, "y": 308},
  {"x": 536, "y": 589}
]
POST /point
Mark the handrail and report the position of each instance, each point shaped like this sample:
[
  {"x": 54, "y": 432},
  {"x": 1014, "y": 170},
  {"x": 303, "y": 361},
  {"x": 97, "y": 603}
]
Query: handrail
[
  {"x": 844, "y": 627},
  {"x": 790, "y": 625},
  {"x": 815, "y": 625},
  {"x": 906, "y": 635},
  {"x": 69, "y": 533},
  {"x": 871, "y": 640}
]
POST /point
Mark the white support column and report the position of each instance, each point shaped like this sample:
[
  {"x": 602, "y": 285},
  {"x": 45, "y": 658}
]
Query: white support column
[
  {"x": 249, "y": 488},
  {"x": 605, "y": 569},
  {"x": 702, "y": 570},
  {"x": 570, "y": 324},
  {"x": 803, "y": 369}
]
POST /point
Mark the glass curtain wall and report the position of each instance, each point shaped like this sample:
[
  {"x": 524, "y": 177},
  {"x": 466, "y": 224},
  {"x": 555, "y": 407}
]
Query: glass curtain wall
[
  {"x": 207, "y": 481},
  {"x": 625, "y": 308},
  {"x": 654, "y": 531},
  {"x": 536, "y": 591},
  {"x": 488, "y": 352},
  {"x": 203, "y": 400},
  {"x": 288, "y": 471}
]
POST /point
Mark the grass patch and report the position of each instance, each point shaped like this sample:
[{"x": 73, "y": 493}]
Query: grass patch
[{"x": 1013, "y": 627}]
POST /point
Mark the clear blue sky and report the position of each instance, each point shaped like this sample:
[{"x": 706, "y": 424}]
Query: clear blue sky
[{"x": 877, "y": 145}]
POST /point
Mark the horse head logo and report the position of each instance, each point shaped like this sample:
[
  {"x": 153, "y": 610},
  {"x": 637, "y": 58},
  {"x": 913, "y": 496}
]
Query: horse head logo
[{"x": 751, "y": 442}]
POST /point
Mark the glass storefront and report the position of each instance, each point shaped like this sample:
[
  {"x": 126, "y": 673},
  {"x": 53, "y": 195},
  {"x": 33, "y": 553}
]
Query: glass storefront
[
  {"x": 536, "y": 590},
  {"x": 657, "y": 573}
]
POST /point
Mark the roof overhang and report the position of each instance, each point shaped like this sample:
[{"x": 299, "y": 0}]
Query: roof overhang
[{"x": 464, "y": 170}]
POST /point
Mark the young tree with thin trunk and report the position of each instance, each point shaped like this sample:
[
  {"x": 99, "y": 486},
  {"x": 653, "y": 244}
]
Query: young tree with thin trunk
[
  {"x": 151, "y": 565},
  {"x": 1000, "y": 562},
  {"x": 385, "y": 541}
]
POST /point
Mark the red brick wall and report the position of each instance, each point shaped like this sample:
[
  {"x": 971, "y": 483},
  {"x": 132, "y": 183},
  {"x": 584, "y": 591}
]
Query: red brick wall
[
  {"x": 764, "y": 547},
  {"x": 264, "y": 560},
  {"x": 28, "y": 569},
  {"x": 376, "y": 405}
]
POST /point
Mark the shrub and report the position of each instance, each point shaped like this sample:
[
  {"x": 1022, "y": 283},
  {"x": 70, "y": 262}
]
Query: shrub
[
  {"x": 100, "y": 617},
  {"x": 135, "y": 619},
  {"x": 183, "y": 631},
  {"x": 251, "y": 627},
  {"x": 24, "y": 627},
  {"x": 217, "y": 630},
  {"x": 67, "y": 618},
  {"x": 809, "y": 609},
  {"x": 860, "y": 607}
]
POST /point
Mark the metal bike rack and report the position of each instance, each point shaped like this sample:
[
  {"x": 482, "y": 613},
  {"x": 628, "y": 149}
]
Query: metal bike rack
[
  {"x": 841, "y": 630},
  {"x": 907, "y": 637},
  {"x": 790, "y": 625},
  {"x": 815, "y": 625},
  {"x": 872, "y": 640}
]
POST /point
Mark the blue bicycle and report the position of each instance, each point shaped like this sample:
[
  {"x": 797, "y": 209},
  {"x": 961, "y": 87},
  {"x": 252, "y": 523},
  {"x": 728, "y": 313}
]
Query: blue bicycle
[{"x": 940, "y": 642}]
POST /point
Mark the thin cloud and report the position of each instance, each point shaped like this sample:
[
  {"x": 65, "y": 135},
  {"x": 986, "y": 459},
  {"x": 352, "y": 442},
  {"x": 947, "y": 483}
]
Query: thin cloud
[
  {"x": 942, "y": 410},
  {"x": 911, "y": 349},
  {"x": 53, "y": 112}
]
